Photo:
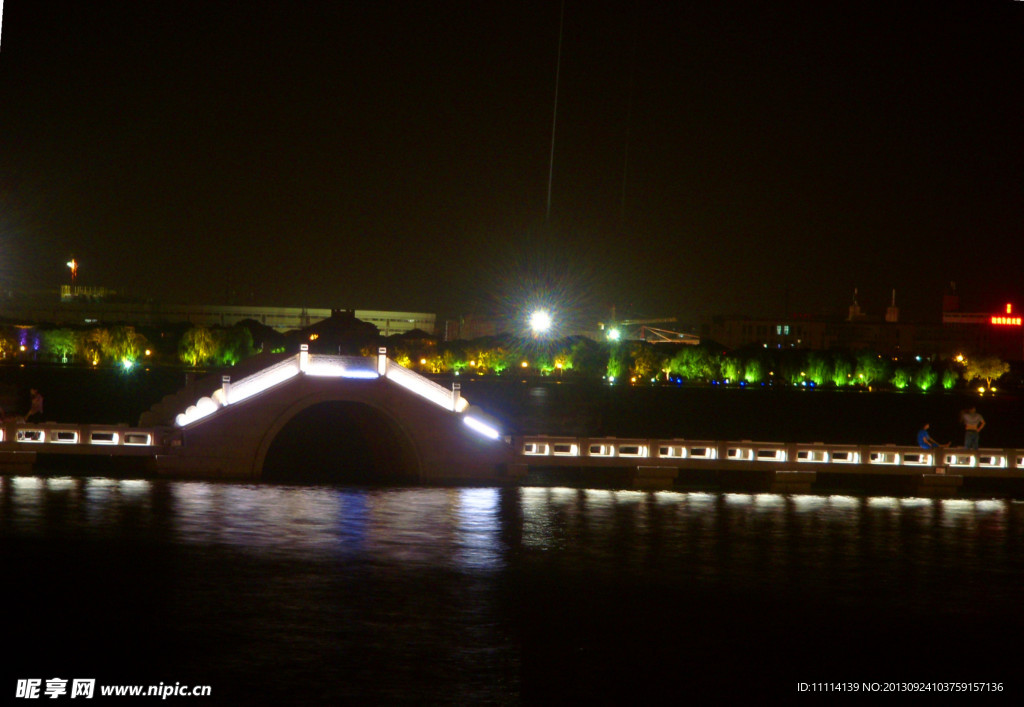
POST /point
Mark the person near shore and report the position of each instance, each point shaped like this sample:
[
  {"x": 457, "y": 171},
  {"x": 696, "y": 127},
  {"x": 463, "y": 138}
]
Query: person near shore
[
  {"x": 925, "y": 440},
  {"x": 974, "y": 423},
  {"x": 35, "y": 410}
]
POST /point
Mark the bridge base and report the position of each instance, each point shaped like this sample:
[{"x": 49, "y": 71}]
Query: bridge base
[
  {"x": 17, "y": 463},
  {"x": 655, "y": 477},
  {"x": 791, "y": 481},
  {"x": 940, "y": 484}
]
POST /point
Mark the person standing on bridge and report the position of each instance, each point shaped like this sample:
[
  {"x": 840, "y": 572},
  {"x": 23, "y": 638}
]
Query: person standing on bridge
[
  {"x": 35, "y": 410},
  {"x": 974, "y": 423}
]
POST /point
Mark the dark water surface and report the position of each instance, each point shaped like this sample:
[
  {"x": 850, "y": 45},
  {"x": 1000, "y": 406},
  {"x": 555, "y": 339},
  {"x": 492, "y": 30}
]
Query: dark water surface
[{"x": 333, "y": 595}]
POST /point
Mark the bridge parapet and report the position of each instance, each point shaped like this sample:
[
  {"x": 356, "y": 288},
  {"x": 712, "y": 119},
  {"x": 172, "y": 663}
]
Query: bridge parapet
[
  {"x": 330, "y": 366},
  {"x": 59, "y": 437},
  {"x": 569, "y": 451}
]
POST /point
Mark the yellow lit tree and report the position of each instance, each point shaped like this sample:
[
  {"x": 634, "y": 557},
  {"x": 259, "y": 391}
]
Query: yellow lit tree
[
  {"x": 197, "y": 346},
  {"x": 986, "y": 368}
]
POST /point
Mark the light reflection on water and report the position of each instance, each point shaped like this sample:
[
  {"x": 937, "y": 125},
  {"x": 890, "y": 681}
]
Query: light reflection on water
[{"x": 492, "y": 594}]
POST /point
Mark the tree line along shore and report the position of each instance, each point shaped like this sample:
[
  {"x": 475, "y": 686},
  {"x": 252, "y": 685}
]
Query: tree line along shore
[{"x": 569, "y": 358}]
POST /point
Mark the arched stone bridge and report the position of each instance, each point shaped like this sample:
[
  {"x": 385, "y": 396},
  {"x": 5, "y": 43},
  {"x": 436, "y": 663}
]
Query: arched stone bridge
[{"x": 404, "y": 425}]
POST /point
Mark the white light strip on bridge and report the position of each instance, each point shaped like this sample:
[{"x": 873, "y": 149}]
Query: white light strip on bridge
[
  {"x": 481, "y": 427},
  {"x": 202, "y": 408},
  {"x": 421, "y": 386},
  {"x": 322, "y": 368},
  {"x": 318, "y": 366},
  {"x": 254, "y": 385}
]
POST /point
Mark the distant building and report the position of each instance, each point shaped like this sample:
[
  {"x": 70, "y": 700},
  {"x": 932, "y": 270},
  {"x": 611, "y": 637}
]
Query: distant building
[
  {"x": 81, "y": 306},
  {"x": 986, "y": 333}
]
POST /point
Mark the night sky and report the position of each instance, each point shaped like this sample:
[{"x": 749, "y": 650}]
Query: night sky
[{"x": 710, "y": 157}]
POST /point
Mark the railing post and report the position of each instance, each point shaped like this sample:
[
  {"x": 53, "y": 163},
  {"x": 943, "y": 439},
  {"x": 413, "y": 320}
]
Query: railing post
[
  {"x": 382, "y": 361},
  {"x": 225, "y": 384},
  {"x": 303, "y": 357},
  {"x": 456, "y": 394}
]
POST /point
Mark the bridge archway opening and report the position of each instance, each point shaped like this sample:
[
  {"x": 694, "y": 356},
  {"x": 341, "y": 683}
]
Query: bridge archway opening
[{"x": 341, "y": 442}]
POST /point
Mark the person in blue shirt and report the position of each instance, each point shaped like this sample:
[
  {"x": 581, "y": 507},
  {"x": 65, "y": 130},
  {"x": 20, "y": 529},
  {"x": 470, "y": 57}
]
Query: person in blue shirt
[{"x": 925, "y": 441}]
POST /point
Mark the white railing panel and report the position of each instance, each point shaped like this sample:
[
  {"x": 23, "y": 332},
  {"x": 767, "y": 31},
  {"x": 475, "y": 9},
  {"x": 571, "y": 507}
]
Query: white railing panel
[
  {"x": 263, "y": 380},
  {"x": 424, "y": 387}
]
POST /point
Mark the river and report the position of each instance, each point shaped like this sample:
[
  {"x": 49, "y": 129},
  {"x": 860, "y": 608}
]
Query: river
[{"x": 274, "y": 594}]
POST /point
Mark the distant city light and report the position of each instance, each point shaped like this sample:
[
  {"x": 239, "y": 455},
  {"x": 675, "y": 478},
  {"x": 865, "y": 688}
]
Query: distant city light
[
  {"x": 614, "y": 334},
  {"x": 1007, "y": 321}
]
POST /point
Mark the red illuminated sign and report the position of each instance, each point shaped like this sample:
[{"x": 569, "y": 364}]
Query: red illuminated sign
[{"x": 1007, "y": 321}]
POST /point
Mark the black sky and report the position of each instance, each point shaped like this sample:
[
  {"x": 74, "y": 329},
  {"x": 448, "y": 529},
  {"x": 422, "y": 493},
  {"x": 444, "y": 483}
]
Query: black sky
[{"x": 710, "y": 157}]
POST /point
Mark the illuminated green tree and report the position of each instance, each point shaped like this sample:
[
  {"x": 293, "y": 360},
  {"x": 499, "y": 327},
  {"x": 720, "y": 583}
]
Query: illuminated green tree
[
  {"x": 869, "y": 368},
  {"x": 647, "y": 361},
  {"x": 97, "y": 344},
  {"x": 901, "y": 378},
  {"x": 435, "y": 363},
  {"x": 842, "y": 372},
  {"x": 819, "y": 369},
  {"x": 950, "y": 378},
  {"x": 492, "y": 360},
  {"x": 618, "y": 362},
  {"x": 986, "y": 368},
  {"x": 125, "y": 344},
  {"x": 925, "y": 377},
  {"x": 544, "y": 362},
  {"x": 61, "y": 343},
  {"x": 234, "y": 344},
  {"x": 8, "y": 344},
  {"x": 731, "y": 368},
  {"x": 501, "y": 360},
  {"x": 198, "y": 346},
  {"x": 753, "y": 371},
  {"x": 693, "y": 363},
  {"x": 451, "y": 362}
]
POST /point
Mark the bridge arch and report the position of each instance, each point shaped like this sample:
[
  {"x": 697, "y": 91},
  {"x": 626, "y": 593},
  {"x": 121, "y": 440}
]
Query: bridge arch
[
  {"x": 328, "y": 437},
  {"x": 403, "y": 426}
]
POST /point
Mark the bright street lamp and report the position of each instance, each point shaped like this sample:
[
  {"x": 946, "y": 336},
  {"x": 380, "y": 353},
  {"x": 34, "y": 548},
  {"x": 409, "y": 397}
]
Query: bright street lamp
[{"x": 540, "y": 321}]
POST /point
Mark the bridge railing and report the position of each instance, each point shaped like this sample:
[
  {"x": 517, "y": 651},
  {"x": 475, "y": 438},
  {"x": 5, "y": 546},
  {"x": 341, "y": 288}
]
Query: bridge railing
[
  {"x": 65, "y": 434},
  {"x": 424, "y": 387},
  {"x": 256, "y": 383},
  {"x": 321, "y": 365},
  {"x": 680, "y": 452}
]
